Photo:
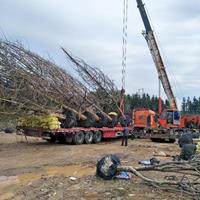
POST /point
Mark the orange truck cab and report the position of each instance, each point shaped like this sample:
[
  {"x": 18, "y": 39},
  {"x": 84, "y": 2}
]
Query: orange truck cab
[
  {"x": 170, "y": 118},
  {"x": 144, "y": 118}
]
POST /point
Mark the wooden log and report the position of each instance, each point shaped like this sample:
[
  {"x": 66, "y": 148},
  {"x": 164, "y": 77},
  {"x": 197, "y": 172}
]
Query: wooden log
[{"x": 96, "y": 117}]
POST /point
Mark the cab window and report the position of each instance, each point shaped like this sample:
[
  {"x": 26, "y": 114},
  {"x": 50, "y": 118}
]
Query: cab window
[{"x": 176, "y": 115}]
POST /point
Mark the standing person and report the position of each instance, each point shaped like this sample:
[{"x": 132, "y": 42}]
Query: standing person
[
  {"x": 149, "y": 121},
  {"x": 125, "y": 136}
]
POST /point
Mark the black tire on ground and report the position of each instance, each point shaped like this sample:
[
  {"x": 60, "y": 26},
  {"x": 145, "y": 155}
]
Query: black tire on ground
[
  {"x": 9, "y": 130},
  {"x": 97, "y": 136},
  {"x": 78, "y": 138},
  {"x": 187, "y": 151},
  {"x": 88, "y": 137},
  {"x": 106, "y": 168},
  {"x": 185, "y": 138}
]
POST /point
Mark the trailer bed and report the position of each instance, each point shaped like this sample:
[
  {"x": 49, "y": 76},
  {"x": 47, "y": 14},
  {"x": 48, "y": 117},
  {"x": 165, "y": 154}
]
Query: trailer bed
[{"x": 76, "y": 135}]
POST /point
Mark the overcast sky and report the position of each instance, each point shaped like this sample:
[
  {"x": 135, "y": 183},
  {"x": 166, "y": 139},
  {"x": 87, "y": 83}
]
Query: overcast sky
[{"x": 92, "y": 30}]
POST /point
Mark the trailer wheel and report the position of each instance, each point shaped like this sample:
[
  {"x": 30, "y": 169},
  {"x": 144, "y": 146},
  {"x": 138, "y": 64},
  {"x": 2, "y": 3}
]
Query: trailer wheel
[
  {"x": 78, "y": 138},
  {"x": 172, "y": 140},
  {"x": 97, "y": 137},
  {"x": 157, "y": 140},
  {"x": 88, "y": 137},
  {"x": 61, "y": 138},
  {"x": 52, "y": 139},
  {"x": 68, "y": 139}
]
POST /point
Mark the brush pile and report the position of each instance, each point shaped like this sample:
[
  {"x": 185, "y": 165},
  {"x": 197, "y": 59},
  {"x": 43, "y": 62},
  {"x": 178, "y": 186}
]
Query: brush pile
[
  {"x": 32, "y": 84},
  {"x": 182, "y": 177},
  {"x": 95, "y": 79}
]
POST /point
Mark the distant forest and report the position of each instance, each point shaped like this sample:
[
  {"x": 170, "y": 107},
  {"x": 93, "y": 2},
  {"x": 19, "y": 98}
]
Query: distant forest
[
  {"x": 143, "y": 101},
  {"x": 189, "y": 106}
]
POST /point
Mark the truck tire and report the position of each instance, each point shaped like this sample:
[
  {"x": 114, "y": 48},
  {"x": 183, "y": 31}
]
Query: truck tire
[
  {"x": 88, "y": 137},
  {"x": 78, "y": 138},
  {"x": 172, "y": 140},
  {"x": 61, "y": 138},
  {"x": 68, "y": 139},
  {"x": 106, "y": 168},
  {"x": 187, "y": 151},
  {"x": 157, "y": 140},
  {"x": 97, "y": 137},
  {"x": 52, "y": 139}
]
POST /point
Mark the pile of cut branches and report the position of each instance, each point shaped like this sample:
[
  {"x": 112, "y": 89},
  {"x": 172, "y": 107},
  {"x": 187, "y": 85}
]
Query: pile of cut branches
[
  {"x": 95, "y": 79},
  {"x": 29, "y": 82},
  {"x": 184, "y": 176}
]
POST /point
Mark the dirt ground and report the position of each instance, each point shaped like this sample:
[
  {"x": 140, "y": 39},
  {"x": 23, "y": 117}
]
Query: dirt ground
[{"x": 39, "y": 170}]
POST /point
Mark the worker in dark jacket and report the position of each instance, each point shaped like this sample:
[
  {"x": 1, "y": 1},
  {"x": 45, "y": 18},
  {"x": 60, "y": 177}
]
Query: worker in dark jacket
[{"x": 125, "y": 136}]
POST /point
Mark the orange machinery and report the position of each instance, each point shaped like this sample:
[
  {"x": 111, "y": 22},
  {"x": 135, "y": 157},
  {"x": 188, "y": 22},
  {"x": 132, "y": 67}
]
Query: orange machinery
[{"x": 143, "y": 118}]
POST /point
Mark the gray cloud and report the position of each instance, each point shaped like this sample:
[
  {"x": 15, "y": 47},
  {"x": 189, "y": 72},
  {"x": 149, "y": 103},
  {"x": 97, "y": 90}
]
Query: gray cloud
[{"x": 92, "y": 30}]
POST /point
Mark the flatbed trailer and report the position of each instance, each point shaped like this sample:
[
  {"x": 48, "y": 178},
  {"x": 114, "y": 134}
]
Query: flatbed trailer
[
  {"x": 76, "y": 135},
  {"x": 170, "y": 135}
]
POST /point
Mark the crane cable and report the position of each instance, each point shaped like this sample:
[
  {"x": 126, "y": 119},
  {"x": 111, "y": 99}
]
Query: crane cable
[{"x": 124, "y": 55}]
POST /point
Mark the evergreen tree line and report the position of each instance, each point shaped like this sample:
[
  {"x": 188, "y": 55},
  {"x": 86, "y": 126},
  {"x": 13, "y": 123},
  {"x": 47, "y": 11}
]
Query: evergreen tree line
[
  {"x": 134, "y": 101},
  {"x": 191, "y": 106},
  {"x": 143, "y": 101}
]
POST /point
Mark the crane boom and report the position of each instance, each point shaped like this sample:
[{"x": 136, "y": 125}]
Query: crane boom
[{"x": 153, "y": 47}]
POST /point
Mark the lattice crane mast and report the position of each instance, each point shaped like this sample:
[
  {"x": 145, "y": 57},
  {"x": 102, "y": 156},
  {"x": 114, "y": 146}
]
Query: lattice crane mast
[{"x": 153, "y": 47}]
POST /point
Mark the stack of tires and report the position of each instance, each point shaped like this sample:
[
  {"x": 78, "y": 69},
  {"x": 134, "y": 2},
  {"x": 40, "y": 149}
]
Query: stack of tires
[{"x": 188, "y": 149}]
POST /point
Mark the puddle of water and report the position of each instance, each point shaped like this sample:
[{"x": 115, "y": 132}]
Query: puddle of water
[
  {"x": 71, "y": 170},
  {"x": 7, "y": 195},
  {"x": 29, "y": 177},
  {"x": 8, "y": 188},
  {"x": 9, "y": 185}
]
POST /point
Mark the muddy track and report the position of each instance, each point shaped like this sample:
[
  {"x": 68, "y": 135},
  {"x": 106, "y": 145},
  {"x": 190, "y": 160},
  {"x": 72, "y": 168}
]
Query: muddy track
[{"x": 39, "y": 170}]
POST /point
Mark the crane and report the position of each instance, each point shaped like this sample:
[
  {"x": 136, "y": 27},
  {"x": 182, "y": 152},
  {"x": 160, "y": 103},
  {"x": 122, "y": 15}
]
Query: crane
[{"x": 154, "y": 50}]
